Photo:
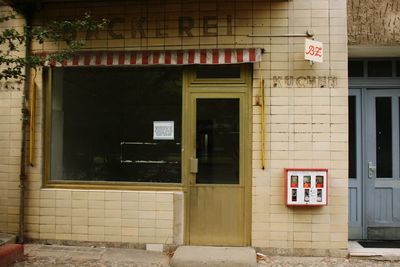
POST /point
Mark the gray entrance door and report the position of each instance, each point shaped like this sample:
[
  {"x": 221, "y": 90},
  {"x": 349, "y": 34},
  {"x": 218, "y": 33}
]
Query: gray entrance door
[
  {"x": 355, "y": 170},
  {"x": 374, "y": 179},
  {"x": 381, "y": 177}
]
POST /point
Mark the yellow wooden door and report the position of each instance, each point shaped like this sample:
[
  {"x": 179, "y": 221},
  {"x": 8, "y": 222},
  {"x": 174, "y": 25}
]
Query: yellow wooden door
[{"x": 217, "y": 186}]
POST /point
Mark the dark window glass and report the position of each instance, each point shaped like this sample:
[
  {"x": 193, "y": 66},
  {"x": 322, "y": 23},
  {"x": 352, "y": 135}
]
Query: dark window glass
[
  {"x": 217, "y": 141},
  {"x": 380, "y": 68},
  {"x": 356, "y": 68},
  {"x": 218, "y": 71},
  {"x": 398, "y": 68},
  {"x": 384, "y": 137},
  {"x": 352, "y": 138},
  {"x": 103, "y": 123}
]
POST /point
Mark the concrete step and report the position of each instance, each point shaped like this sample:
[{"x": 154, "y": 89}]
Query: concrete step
[
  {"x": 202, "y": 256},
  {"x": 358, "y": 251}
]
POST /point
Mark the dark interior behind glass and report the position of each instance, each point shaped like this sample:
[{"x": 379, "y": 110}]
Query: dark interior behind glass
[
  {"x": 218, "y": 71},
  {"x": 383, "y": 137},
  {"x": 102, "y": 124},
  {"x": 380, "y": 68},
  {"x": 352, "y": 137},
  {"x": 356, "y": 68},
  {"x": 217, "y": 141}
]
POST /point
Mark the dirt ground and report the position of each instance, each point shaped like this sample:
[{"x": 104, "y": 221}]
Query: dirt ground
[{"x": 62, "y": 256}]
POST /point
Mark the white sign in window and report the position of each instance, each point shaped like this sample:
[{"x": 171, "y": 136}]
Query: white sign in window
[
  {"x": 314, "y": 51},
  {"x": 163, "y": 130}
]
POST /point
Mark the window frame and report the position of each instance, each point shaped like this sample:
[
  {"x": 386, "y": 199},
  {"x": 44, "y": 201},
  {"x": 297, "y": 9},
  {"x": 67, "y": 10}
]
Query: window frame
[
  {"x": 243, "y": 79},
  {"x": 85, "y": 184},
  {"x": 188, "y": 80}
]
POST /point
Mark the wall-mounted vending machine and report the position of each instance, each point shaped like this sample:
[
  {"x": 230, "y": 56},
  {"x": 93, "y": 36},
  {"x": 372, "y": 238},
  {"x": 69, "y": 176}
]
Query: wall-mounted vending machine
[{"x": 306, "y": 187}]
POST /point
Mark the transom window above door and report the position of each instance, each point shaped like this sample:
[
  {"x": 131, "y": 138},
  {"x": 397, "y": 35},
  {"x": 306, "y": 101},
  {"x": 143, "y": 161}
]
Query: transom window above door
[{"x": 374, "y": 68}]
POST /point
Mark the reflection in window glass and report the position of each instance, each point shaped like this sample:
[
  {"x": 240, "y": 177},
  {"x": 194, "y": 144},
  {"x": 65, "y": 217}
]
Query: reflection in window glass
[
  {"x": 356, "y": 68},
  {"x": 352, "y": 138},
  {"x": 383, "y": 137},
  {"x": 380, "y": 68},
  {"x": 217, "y": 141},
  {"x": 102, "y": 124}
]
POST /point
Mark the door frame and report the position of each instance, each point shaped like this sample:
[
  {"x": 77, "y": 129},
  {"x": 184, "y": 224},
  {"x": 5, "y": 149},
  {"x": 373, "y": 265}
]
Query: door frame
[
  {"x": 218, "y": 88},
  {"x": 359, "y": 88}
]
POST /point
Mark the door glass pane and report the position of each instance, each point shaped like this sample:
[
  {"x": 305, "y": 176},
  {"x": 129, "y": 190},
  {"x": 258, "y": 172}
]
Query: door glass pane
[
  {"x": 218, "y": 71},
  {"x": 352, "y": 138},
  {"x": 383, "y": 137},
  {"x": 356, "y": 68},
  {"x": 217, "y": 141},
  {"x": 398, "y": 68},
  {"x": 380, "y": 68}
]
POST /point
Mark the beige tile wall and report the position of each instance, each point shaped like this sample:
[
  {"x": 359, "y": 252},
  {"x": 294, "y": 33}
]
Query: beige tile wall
[
  {"x": 305, "y": 127},
  {"x": 101, "y": 216},
  {"x": 10, "y": 136}
]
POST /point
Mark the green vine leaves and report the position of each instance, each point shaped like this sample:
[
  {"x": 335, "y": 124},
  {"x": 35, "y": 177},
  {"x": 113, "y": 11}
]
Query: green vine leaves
[{"x": 13, "y": 41}]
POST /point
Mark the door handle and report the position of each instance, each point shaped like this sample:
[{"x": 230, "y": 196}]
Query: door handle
[
  {"x": 194, "y": 165},
  {"x": 371, "y": 170}
]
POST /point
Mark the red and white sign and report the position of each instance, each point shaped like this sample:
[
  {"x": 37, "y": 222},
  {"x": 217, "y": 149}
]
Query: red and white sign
[{"x": 314, "y": 51}]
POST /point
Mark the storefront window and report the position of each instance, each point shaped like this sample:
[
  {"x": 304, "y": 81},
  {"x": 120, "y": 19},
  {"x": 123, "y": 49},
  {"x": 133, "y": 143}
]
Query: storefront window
[{"x": 116, "y": 124}]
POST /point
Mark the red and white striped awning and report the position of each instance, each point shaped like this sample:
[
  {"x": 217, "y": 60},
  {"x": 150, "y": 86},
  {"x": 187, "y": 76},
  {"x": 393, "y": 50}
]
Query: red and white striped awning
[{"x": 179, "y": 57}]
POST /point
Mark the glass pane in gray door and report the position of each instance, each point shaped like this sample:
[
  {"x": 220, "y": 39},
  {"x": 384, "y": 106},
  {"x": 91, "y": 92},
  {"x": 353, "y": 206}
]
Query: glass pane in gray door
[
  {"x": 383, "y": 137},
  {"x": 352, "y": 138},
  {"x": 217, "y": 141}
]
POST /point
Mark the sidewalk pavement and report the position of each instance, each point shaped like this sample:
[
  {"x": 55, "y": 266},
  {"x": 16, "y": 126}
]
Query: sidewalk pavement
[
  {"x": 38, "y": 255},
  {"x": 80, "y": 256}
]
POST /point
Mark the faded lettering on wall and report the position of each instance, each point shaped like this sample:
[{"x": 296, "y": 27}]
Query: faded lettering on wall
[
  {"x": 304, "y": 81},
  {"x": 138, "y": 27},
  {"x": 7, "y": 86}
]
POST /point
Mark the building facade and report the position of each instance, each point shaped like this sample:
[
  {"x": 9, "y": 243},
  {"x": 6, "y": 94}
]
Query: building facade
[{"x": 175, "y": 125}]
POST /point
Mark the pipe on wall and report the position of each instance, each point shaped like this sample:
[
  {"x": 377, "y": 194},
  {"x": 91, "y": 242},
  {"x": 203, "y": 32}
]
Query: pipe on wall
[{"x": 27, "y": 13}]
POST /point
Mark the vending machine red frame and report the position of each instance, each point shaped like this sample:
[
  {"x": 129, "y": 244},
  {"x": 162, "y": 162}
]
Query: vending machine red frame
[{"x": 310, "y": 186}]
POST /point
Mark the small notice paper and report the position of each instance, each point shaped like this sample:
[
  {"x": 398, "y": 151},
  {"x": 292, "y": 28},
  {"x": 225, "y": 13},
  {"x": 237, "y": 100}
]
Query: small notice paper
[
  {"x": 163, "y": 130},
  {"x": 314, "y": 51}
]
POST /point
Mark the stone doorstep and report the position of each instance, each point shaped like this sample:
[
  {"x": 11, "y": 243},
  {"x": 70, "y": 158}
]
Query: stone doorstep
[
  {"x": 358, "y": 251},
  {"x": 201, "y": 256},
  {"x": 383, "y": 255},
  {"x": 10, "y": 253}
]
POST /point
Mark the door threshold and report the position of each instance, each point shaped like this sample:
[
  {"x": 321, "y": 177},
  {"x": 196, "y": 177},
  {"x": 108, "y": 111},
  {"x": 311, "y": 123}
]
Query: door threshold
[{"x": 380, "y": 243}]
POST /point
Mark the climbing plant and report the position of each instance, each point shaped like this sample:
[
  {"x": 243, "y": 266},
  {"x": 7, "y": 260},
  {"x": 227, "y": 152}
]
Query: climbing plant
[{"x": 13, "y": 41}]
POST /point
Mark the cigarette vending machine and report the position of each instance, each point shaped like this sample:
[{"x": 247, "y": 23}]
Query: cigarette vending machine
[{"x": 306, "y": 187}]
